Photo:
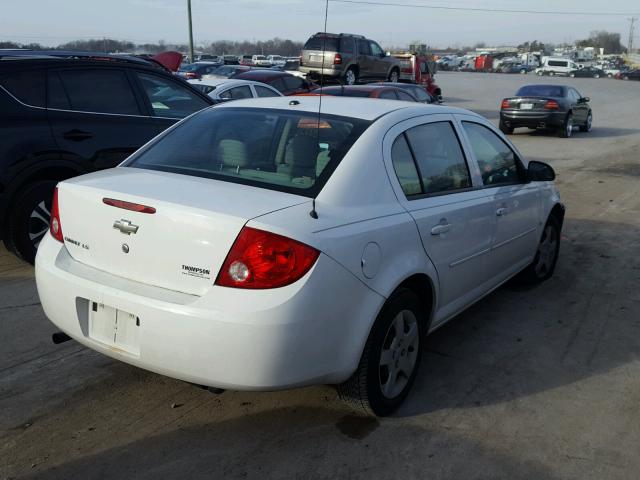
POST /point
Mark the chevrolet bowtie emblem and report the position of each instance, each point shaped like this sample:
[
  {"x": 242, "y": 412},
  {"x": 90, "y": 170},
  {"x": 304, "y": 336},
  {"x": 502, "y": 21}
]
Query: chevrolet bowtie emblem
[{"x": 125, "y": 226}]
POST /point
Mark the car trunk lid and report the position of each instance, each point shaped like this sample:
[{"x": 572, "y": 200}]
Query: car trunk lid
[{"x": 181, "y": 246}]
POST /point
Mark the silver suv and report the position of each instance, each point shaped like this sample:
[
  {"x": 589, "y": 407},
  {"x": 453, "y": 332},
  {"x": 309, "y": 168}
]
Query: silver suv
[{"x": 348, "y": 58}]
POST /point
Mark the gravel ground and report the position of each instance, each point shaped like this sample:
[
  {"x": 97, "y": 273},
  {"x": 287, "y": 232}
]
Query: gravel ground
[{"x": 540, "y": 383}]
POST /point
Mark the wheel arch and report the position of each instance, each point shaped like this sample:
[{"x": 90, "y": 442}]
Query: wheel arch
[{"x": 423, "y": 286}]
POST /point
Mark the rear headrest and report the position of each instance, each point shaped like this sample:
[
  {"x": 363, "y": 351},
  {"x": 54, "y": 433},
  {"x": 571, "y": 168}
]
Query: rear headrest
[
  {"x": 302, "y": 154},
  {"x": 232, "y": 153}
]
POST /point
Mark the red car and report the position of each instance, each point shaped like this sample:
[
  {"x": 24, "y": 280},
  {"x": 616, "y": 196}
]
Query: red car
[
  {"x": 368, "y": 91},
  {"x": 285, "y": 83},
  {"x": 419, "y": 69}
]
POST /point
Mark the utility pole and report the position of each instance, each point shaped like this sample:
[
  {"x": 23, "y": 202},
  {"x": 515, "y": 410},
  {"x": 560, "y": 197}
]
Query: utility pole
[
  {"x": 632, "y": 21},
  {"x": 190, "y": 32}
]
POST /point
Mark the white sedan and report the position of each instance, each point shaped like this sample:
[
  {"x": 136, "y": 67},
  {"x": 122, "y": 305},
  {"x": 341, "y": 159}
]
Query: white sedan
[
  {"x": 260, "y": 245},
  {"x": 226, "y": 89}
]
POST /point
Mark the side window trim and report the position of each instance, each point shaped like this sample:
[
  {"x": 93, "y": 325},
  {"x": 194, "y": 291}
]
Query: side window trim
[{"x": 516, "y": 156}]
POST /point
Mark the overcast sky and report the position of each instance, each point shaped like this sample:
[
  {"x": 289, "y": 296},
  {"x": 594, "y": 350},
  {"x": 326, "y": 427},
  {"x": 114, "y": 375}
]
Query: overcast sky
[{"x": 52, "y": 22}]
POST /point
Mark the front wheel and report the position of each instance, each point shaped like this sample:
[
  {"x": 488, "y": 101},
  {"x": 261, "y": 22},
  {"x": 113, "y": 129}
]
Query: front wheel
[
  {"x": 544, "y": 263},
  {"x": 587, "y": 124},
  {"x": 29, "y": 220},
  {"x": 596, "y": 75},
  {"x": 390, "y": 359},
  {"x": 572, "y": 75},
  {"x": 394, "y": 76}
]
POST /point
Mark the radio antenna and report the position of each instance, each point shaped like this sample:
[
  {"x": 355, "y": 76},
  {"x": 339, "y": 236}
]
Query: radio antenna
[{"x": 313, "y": 213}]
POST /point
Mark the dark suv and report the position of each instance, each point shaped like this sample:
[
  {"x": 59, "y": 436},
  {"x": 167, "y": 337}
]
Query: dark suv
[
  {"x": 64, "y": 117},
  {"x": 347, "y": 58}
]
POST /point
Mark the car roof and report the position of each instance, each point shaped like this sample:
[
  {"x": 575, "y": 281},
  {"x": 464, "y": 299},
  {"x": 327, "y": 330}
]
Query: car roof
[
  {"x": 266, "y": 73},
  {"x": 215, "y": 82},
  {"x": 399, "y": 85},
  {"x": 46, "y": 62},
  {"x": 362, "y": 108},
  {"x": 73, "y": 56},
  {"x": 357, "y": 88}
]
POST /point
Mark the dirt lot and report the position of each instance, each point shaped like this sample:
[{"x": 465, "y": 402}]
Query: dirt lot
[{"x": 539, "y": 383}]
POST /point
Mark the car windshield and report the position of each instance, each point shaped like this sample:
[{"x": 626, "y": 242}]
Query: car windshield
[
  {"x": 189, "y": 68},
  {"x": 274, "y": 149},
  {"x": 540, "y": 91}
]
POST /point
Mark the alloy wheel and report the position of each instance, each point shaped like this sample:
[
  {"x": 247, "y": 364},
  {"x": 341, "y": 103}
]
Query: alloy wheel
[
  {"x": 393, "y": 77},
  {"x": 399, "y": 353},
  {"x": 350, "y": 77},
  {"x": 39, "y": 222},
  {"x": 547, "y": 251},
  {"x": 569, "y": 126}
]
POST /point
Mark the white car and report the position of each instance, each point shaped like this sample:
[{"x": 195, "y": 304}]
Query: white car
[
  {"x": 226, "y": 89},
  {"x": 277, "y": 60},
  {"x": 258, "y": 245},
  {"x": 261, "y": 61}
]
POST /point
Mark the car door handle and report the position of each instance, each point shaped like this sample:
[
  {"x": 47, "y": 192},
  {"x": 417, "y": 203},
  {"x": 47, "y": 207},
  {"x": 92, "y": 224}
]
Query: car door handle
[
  {"x": 77, "y": 135},
  {"x": 501, "y": 212},
  {"x": 440, "y": 228}
]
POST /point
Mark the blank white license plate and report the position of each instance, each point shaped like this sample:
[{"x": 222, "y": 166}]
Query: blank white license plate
[
  {"x": 526, "y": 106},
  {"x": 315, "y": 58},
  {"x": 115, "y": 328}
]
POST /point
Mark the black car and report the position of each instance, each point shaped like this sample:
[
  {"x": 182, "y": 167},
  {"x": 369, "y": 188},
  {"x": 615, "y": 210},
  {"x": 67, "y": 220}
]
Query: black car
[
  {"x": 192, "y": 71},
  {"x": 64, "y": 117},
  {"x": 588, "y": 72},
  {"x": 419, "y": 92},
  {"x": 556, "y": 107},
  {"x": 630, "y": 74}
]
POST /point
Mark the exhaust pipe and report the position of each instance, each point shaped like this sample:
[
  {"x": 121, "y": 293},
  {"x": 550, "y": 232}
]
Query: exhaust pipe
[{"x": 60, "y": 337}]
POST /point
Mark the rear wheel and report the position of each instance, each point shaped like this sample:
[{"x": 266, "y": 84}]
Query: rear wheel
[
  {"x": 552, "y": 73},
  {"x": 350, "y": 77},
  {"x": 505, "y": 129},
  {"x": 29, "y": 220},
  {"x": 567, "y": 129},
  {"x": 572, "y": 75},
  {"x": 597, "y": 75},
  {"x": 544, "y": 263},
  {"x": 587, "y": 124},
  {"x": 390, "y": 359}
]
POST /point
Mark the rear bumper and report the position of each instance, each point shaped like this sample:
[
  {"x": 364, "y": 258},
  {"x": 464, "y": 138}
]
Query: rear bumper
[
  {"x": 310, "y": 332},
  {"x": 515, "y": 119},
  {"x": 324, "y": 72}
]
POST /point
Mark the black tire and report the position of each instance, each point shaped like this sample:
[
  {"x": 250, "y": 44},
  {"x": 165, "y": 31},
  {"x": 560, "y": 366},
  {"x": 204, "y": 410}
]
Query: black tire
[
  {"x": 552, "y": 73},
  {"x": 587, "y": 124},
  {"x": 397, "y": 75},
  {"x": 29, "y": 216},
  {"x": 506, "y": 130},
  {"x": 547, "y": 254},
  {"x": 364, "y": 389},
  {"x": 565, "y": 131},
  {"x": 348, "y": 78}
]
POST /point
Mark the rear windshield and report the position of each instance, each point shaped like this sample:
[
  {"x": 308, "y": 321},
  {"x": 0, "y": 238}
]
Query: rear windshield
[
  {"x": 274, "y": 149},
  {"x": 189, "y": 68},
  {"x": 206, "y": 89},
  {"x": 323, "y": 42},
  {"x": 540, "y": 91},
  {"x": 343, "y": 92}
]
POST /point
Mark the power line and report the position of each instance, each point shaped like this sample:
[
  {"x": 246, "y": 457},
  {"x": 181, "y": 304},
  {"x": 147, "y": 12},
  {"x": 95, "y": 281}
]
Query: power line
[{"x": 487, "y": 10}]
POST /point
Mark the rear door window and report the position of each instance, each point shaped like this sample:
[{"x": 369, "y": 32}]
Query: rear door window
[
  {"x": 265, "y": 92},
  {"x": 27, "y": 86},
  {"x": 388, "y": 95},
  {"x": 498, "y": 163},
  {"x": 168, "y": 98},
  {"x": 292, "y": 83},
  {"x": 405, "y": 96},
  {"x": 237, "y": 93},
  {"x": 98, "y": 90},
  {"x": 439, "y": 158},
  {"x": 363, "y": 47},
  {"x": 279, "y": 150}
]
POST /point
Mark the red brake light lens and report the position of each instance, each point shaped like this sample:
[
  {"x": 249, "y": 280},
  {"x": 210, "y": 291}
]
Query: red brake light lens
[
  {"x": 260, "y": 260},
  {"x": 134, "y": 207},
  {"x": 551, "y": 105},
  {"x": 55, "y": 226},
  {"x": 505, "y": 104},
  {"x": 337, "y": 59}
]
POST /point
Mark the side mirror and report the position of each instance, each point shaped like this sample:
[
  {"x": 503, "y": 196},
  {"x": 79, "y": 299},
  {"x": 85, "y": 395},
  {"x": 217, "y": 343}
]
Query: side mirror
[
  {"x": 540, "y": 172},
  {"x": 387, "y": 54}
]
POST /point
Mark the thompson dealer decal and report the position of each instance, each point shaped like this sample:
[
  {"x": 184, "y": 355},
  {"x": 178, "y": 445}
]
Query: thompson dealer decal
[{"x": 196, "y": 271}]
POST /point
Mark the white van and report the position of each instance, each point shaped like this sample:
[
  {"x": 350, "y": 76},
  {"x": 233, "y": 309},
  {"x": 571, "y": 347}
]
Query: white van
[{"x": 556, "y": 66}]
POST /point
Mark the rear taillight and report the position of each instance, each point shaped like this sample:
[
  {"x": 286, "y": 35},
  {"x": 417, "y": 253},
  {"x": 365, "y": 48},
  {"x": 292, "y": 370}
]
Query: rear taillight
[
  {"x": 260, "y": 260},
  {"x": 551, "y": 105},
  {"x": 505, "y": 104},
  {"x": 191, "y": 75},
  {"x": 55, "y": 226},
  {"x": 337, "y": 59}
]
